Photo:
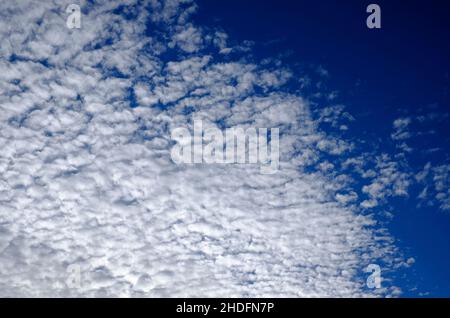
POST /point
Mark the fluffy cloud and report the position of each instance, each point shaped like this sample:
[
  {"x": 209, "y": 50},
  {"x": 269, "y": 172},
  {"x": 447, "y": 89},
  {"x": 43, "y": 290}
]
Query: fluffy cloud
[
  {"x": 436, "y": 185},
  {"x": 401, "y": 129},
  {"x": 87, "y": 180},
  {"x": 389, "y": 180}
]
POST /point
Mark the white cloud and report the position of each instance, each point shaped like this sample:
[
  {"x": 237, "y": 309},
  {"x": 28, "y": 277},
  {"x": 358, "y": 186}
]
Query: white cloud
[
  {"x": 87, "y": 179},
  {"x": 436, "y": 182},
  {"x": 391, "y": 180},
  {"x": 401, "y": 129}
]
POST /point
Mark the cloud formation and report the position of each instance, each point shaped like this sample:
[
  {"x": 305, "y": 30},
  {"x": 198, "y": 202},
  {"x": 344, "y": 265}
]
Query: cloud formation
[{"x": 86, "y": 176}]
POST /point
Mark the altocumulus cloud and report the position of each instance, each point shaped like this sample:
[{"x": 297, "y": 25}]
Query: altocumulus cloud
[{"x": 86, "y": 176}]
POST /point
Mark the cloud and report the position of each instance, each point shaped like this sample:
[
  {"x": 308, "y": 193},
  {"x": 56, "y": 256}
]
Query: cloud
[
  {"x": 391, "y": 180},
  {"x": 401, "y": 129},
  {"x": 87, "y": 179},
  {"x": 436, "y": 184}
]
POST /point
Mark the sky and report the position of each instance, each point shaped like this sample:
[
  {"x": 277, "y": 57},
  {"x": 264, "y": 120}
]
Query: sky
[
  {"x": 398, "y": 71},
  {"x": 88, "y": 187}
]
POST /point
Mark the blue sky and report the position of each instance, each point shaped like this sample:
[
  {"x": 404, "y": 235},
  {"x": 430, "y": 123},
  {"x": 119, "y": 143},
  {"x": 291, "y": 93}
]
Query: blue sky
[
  {"x": 400, "y": 70},
  {"x": 89, "y": 187}
]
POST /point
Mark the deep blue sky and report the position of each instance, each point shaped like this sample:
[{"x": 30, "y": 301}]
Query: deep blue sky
[{"x": 381, "y": 75}]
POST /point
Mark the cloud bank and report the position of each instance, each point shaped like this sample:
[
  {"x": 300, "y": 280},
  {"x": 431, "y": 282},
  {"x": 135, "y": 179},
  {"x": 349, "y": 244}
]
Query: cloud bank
[{"x": 86, "y": 176}]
